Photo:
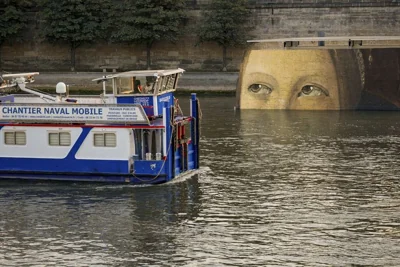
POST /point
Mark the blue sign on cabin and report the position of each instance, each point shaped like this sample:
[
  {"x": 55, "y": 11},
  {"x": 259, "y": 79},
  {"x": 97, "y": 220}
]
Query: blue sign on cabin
[
  {"x": 145, "y": 100},
  {"x": 168, "y": 97}
]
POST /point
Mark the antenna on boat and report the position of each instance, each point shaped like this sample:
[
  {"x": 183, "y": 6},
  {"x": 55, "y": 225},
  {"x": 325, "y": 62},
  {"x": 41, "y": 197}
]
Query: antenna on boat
[
  {"x": 61, "y": 89},
  {"x": 104, "y": 85}
]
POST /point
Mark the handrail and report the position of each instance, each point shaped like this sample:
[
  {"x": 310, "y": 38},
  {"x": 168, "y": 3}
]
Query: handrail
[{"x": 22, "y": 86}]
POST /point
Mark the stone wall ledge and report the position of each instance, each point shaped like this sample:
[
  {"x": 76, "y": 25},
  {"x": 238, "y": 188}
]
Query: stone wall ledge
[
  {"x": 190, "y": 81},
  {"x": 306, "y": 4},
  {"x": 325, "y": 5}
]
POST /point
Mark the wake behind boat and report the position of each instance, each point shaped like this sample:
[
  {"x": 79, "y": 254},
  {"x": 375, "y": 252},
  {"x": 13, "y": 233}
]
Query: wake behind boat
[{"x": 134, "y": 134}]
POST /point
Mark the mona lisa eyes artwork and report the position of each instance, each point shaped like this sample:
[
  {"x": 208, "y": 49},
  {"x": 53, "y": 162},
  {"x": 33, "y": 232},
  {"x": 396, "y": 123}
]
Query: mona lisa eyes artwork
[{"x": 320, "y": 79}]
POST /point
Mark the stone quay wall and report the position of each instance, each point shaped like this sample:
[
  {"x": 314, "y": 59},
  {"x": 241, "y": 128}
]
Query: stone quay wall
[{"x": 271, "y": 19}]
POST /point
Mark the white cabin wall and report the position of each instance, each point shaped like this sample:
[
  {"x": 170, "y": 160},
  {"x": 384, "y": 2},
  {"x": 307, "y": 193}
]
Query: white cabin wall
[
  {"x": 121, "y": 152},
  {"x": 155, "y": 105},
  {"x": 37, "y": 143}
]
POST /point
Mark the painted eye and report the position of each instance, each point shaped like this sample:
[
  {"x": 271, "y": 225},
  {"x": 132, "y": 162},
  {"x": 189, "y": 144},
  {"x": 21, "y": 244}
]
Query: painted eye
[
  {"x": 312, "y": 90},
  {"x": 260, "y": 88}
]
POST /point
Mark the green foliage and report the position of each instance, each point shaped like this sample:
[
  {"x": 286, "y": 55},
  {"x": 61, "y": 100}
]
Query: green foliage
[
  {"x": 75, "y": 21},
  {"x": 225, "y": 22},
  {"x": 148, "y": 21},
  {"x": 12, "y": 19}
]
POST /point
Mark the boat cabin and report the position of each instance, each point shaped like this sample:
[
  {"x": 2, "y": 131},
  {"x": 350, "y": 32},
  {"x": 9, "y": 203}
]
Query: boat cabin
[{"x": 147, "y": 88}]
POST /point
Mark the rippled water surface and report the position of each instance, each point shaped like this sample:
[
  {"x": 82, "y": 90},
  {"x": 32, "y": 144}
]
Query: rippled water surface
[{"x": 277, "y": 188}]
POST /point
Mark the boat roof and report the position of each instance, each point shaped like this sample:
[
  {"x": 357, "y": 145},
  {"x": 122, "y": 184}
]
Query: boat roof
[
  {"x": 141, "y": 73},
  {"x": 11, "y": 75},
  {"x": 331, "y": 38}
]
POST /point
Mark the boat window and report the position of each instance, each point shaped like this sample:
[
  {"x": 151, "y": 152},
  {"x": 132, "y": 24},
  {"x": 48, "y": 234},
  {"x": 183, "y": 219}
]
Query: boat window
[
  {"x": 124, "y": 85},
  {"x": 149, "y": 84},
  {"x": 171, "y": 82},
  {"x": 105, "y": 140},
  {"x": 168, "y": 82},
  {"x": 15, "y": 138},
  {"x": 60, "y": 139},
  {"x": 135, "y": 85}
]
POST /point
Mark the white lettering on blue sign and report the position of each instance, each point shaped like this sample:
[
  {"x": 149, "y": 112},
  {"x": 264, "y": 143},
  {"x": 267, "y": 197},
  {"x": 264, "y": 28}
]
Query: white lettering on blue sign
[
  {"x": 165, "y": 98},
  {"x": 144, "y": 101}
]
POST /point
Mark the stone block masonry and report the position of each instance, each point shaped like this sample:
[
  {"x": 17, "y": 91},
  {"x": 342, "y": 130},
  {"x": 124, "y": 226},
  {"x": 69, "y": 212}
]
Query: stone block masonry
[{"x": 271, "y": 19}]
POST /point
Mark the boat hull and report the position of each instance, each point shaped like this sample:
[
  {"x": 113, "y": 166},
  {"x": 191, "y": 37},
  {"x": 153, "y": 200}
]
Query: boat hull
[{"x": 85, "y": 177}]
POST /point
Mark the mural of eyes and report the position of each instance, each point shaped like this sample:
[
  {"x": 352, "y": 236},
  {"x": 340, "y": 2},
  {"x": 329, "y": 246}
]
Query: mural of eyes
[
  {"x": 258, "y": 88},
  {"x": 312, "y": 90}
]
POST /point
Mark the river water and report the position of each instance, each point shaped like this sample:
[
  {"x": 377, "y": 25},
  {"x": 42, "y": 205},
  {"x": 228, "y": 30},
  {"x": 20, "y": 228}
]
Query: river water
[{"x": 276, "y": 188}]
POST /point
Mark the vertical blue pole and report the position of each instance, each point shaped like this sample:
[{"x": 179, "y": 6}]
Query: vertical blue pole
[
  {"x": 195, "y": 129},
  {"x": 168, "y": 134}
]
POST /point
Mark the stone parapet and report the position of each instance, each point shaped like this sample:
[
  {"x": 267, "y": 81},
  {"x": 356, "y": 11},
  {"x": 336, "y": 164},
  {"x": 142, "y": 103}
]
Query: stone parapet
[{"x": 190, "y": 81}]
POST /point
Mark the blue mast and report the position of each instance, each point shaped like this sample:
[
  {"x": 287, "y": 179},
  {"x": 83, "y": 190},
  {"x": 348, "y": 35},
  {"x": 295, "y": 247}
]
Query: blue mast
[
  {"x": 195, "y": 128},
  {"x": 168, "y": 137}
]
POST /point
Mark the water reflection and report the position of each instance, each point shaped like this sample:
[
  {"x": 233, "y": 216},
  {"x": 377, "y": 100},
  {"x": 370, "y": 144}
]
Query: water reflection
[
  {"x": 329, "y": 174},
  {"x": 278, "y": 188},
  {"x": 98, "y": 225},
  {"x": 302, "y": 184}
]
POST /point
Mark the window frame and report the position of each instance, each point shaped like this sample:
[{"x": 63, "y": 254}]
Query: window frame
[
  {"x": 14, "y": 138},
  {"x": 104, "y": 139},
  {"x": 59, "y": 138}
]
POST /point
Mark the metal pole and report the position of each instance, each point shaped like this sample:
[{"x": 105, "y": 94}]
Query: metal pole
[{"x": 195, "y": 128}]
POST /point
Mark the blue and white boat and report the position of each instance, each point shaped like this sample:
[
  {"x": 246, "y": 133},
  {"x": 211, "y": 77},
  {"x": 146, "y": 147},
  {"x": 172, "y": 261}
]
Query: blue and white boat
[{"x": 135, "y": 134}]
